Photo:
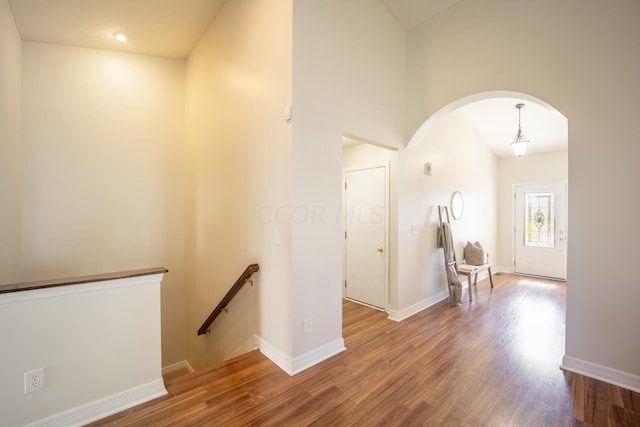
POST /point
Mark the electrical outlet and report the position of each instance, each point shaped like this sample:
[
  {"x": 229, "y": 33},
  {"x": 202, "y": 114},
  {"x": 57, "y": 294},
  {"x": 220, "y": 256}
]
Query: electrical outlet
[
  {"x": 33, "y": 380},
  {"x": 308, "y": 326}
]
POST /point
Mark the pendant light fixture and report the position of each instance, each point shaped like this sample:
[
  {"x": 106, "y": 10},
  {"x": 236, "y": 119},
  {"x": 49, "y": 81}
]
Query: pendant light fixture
[{"x": 519, "y": 144}]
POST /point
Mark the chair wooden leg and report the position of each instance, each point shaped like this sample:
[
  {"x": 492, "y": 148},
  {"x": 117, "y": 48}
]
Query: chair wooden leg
[
  {"x": 490, "y": 278},
  {"x": 470, "y": 297}
]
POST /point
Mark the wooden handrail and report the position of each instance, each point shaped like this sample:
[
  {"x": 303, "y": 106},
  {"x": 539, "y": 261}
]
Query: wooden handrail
[
  {"x": 78, "y": 280},
  {"x": 228, "y": 297}
]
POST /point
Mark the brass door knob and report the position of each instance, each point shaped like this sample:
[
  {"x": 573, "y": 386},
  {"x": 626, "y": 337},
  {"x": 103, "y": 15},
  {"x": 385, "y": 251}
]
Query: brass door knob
[{"x": 380, "y": 249}]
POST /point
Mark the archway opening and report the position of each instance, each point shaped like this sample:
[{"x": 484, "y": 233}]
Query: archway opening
[
  {"x": 498, "y": 98},
  {"x": 461, "y": 160},
  {"x": 495, "y": 118}
]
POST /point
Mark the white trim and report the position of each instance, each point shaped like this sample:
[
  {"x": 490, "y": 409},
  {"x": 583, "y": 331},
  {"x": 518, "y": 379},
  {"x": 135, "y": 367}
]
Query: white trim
[
  {"x": 247, "y": 346},
  {"x": 313, "y": 357},
  {"x": 502, "y": 270},
  {"x": 104, "y": 407},
  {"x": 276, "y": 355},
  {"x": 293, "y": 366},
  {"x": 400, "y": 315},
  {"x": 602, "y": 373},
  {"x": 27, "y": 295},
  {"x": 405, "y": 313},
  {"x": 175, "y": 367}
]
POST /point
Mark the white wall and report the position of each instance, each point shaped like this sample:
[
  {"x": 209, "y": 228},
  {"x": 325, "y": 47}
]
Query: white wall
[
  {"x": 529, "y": 169},
  {"x": 583, "y": 61},
  {"x": 239, "y": 178},
  {"x": 97, "y": 343},
  {"x": 461, "y": 161},
  {"x": 102, "y": 169},
  {"x": 10, "y": 77},
  {"x": 348, "y": 77}
]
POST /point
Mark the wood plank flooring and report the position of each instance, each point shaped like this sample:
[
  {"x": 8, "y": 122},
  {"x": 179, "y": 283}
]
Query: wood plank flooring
[{"x": 492, "y": 362}]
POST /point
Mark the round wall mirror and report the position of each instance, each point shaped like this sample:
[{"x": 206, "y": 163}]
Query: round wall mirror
[{"x": 457, "y": 205}]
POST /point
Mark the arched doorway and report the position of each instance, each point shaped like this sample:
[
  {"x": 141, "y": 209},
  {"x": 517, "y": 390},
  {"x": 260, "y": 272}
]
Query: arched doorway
[{"x": 546, "y": 163}]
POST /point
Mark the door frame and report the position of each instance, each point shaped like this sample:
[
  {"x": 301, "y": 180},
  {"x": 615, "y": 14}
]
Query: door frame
[
  {"x": 386, "y": 165},
  {"x": 514, "y": 218}
]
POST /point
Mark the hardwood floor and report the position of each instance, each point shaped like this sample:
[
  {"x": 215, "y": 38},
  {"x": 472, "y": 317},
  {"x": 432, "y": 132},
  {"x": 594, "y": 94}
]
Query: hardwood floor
[{"x": 492, "y": 362}]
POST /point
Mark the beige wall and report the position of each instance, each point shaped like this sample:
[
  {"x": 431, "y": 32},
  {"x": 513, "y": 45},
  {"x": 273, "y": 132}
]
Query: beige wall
[
  {"x": 97, "y": 343},
  {"x": 10, "y": 78},
  {"x": 529, "y": 169},
  {"x": 238, "y": 176},
  {"x": 102, "y": 170},
  {"x": 583, "y": 61},
  {"x": 348, "y": 77},
  {"x": 86, "y": 113},
  {"x": 461, "y": 161}
]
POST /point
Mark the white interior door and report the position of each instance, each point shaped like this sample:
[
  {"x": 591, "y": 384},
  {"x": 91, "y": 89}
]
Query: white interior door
[
  {"x": 365, "y": 219},
  {"x": 541, "y": 230}
]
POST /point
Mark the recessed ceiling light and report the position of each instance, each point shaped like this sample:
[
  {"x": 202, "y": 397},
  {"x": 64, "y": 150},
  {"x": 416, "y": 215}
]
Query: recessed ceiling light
[{"x": 120, "y": 36}]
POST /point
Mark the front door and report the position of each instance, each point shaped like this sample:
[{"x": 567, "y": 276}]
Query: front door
[
  {"x": 365, "y": 219},
  {"x": 541, "y": 230}
]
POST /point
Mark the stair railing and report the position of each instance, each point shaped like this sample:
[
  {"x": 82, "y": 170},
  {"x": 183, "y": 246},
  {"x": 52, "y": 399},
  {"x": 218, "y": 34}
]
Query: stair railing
[{"x": 244, "y": 278}]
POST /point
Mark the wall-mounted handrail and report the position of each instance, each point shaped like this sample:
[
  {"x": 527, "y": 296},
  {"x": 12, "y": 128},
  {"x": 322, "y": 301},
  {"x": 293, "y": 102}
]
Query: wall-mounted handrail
[{"x": 244, "y": 278}]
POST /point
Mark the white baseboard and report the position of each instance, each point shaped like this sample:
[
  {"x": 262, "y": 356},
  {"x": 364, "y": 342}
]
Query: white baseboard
[
  {"x": 276, "y": 355},
  {"x": 170, "y": 369},
  {"x": 498, "y": 269},
  {"x": 298, "y": 364},
  {"x": 602, "y": 373},
  {"x": 400, "y": 315},
  {"x": 104, "y": 407},
  {"x": 307, "y": 360},
  {"x": 249, "y": 345}
]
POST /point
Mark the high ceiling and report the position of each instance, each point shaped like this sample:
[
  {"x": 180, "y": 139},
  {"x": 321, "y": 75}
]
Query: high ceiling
[
  {"x": 171, "y": 28},
  {"x": 168, "y": 28},
  {"x": 497, "y": 121},
  {"x": 410, "y": 13}
]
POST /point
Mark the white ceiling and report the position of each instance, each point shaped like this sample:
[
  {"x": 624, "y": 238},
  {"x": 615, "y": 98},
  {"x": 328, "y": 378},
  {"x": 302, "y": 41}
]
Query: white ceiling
[
  {"x": 497, "y": 121},
  {"x": 171, "y": 28},
  {"x": 410, "y": 13},
  {"x": 168, "y": 28}
]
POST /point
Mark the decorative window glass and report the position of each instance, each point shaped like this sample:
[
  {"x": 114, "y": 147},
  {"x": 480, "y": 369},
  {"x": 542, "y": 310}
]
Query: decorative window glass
[{"x": 539, "y": 220}]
